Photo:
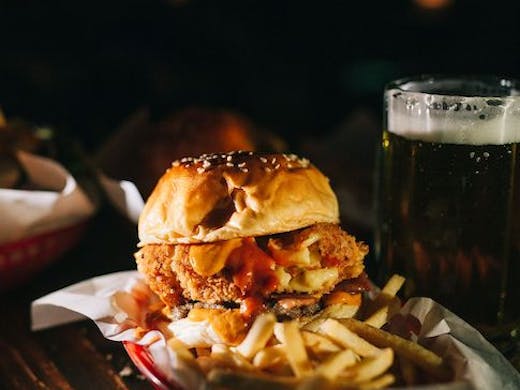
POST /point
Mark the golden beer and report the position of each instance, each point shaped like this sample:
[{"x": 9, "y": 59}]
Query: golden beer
[{"x": 449, "y": 202}]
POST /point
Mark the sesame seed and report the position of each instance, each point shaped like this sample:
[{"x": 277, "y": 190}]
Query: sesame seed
[
  {"x": 229, "y": 164},
  {"x": 200, "y": 170},
  {"x": 263, "y": 159},
  {"x": 250, "y": 153},
  {"x": 273, "y": 160},
  {"x": 290, "y": 166},
  {"x": 267, "y": 169},
  {"x": 206, "y": 164},
  {"x": 244, "y": 170},
  {"x": 229, "y": 158},
  {"x": 176, "y": 163},
  {"x": 277, "y": 166},
  {"x": 286, "y": 157},
  {"x": 242, "y": 164}
]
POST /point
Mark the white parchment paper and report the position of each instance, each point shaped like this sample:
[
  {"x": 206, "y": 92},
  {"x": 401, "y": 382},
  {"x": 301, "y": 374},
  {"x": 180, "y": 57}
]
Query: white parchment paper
[
  {"x": 55, "y": 200},
  {"x": 29, "y": 212},
  {"x": 474, "y": 359}
]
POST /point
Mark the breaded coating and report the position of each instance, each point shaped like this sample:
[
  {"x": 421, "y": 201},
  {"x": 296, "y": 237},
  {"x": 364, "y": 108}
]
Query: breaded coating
[
  {"x": 169, "y": 273},
  {"x": 335, "y": 243},
  {"x": 211, "y": 289},
  {"x": 154, "y": 262}
]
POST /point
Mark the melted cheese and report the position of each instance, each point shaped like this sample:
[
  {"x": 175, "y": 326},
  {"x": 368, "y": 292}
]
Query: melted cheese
[
  {"x": 313, "y": 238},
  {"x": 306, "y": 256},
  {"x": 283, "y": 279},
  {"x": 229, "y": 324},
  {"x": 208, "y": 259},
  {"x": 314, "y": 280},
  {"x": 344, "y": 298}
]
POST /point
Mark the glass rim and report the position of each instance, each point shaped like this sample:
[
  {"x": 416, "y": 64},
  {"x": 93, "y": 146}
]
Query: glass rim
[{"x": 509, "y": 84}]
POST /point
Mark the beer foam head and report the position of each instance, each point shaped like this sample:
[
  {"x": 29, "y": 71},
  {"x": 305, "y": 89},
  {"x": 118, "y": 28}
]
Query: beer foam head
[{"x": 417, "y": 110}]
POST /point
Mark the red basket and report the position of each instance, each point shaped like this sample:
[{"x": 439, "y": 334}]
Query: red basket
[
  {"x": 143, "y": 360},
  {"x": 21, "y": 260}
]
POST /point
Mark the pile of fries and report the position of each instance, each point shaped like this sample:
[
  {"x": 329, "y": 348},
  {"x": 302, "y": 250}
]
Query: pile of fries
[{"x": 331, "y": 350}]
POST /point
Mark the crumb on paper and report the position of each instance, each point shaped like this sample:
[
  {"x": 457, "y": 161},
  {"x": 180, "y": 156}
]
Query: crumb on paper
[{"x": 126, "y": 371}]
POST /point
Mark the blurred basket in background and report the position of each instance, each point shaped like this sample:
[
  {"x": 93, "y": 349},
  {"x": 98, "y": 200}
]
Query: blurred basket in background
[
  {"x": 21, "y": 260},
  {"x": 48, "y": 193}
]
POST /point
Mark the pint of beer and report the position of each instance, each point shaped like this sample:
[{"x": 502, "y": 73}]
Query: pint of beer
[{"x": 449, "y": 194}]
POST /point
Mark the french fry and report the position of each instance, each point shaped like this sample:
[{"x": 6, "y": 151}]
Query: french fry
[
  {"x": 270, "y": 356},
  {"x": 209, "y": 363},
  {"x": 389, "y": 291},
  {"x": 278, "y": 331},
  {"x": 329, "y": 351},
  {"x": 347, "y": 339},
  {"x": 180, "y": 348},
  {"x": 378, "y": 383},
  {"x": 370, "y": 368},
  {"x": 314, "y": 382},
  {"x": 292, "y": 341},
  {"x": 258, "y": 336},
  {"x": 384, "y": 313},
  {"x": 335, "y": 364},
  {"x": 250, "y": 380},
  {"x": 229, "y": 358},
  {"x": 422, "y": 357},
  {"x": 313, "y": 325},
  {"x": 338, "y": 310},
  {"x": 393, "y": 285},
  {"x": 408, "y": 371},
  {"x": 319, "y": 345}
]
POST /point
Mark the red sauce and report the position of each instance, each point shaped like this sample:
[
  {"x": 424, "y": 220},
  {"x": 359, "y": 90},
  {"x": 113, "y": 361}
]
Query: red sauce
[
  {"x": 327, "y": 261},
  {"x": 252, "y": 271},
  {"x": 404, "y": 326},
  {"x": 251, "y": 306}
]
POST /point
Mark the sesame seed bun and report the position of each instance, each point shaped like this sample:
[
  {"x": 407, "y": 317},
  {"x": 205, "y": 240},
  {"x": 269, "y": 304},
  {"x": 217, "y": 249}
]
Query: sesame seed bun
[{"x": 238, "y": 194}]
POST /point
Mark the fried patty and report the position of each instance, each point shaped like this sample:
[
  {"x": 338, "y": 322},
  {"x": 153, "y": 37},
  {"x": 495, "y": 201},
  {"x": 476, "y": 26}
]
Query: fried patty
[{"x": 169, "y": 273}]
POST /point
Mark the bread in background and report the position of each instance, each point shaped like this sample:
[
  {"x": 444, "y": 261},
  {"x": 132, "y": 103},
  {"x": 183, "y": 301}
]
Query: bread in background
[
  {"x": 18, "y": 134},
  {"x": 141, "y": 150}
]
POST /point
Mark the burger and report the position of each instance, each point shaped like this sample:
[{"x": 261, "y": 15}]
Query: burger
[
  {"x": 224, "y": 237},
  {"x": 143, "y": 147}
]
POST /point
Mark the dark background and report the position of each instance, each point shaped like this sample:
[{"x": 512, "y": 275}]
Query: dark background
[{"x": 296, "y": 67}]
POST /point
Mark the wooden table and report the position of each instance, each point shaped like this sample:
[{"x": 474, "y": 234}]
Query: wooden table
[{"x": 74, "y": 356}]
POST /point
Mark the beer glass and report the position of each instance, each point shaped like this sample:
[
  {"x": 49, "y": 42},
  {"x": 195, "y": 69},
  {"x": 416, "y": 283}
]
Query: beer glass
[{"x": 448, "y": 193}]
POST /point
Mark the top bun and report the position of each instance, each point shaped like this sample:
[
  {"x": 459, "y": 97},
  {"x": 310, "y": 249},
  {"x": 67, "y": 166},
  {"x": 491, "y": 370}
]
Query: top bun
[{"x": 238, "y": 194}]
